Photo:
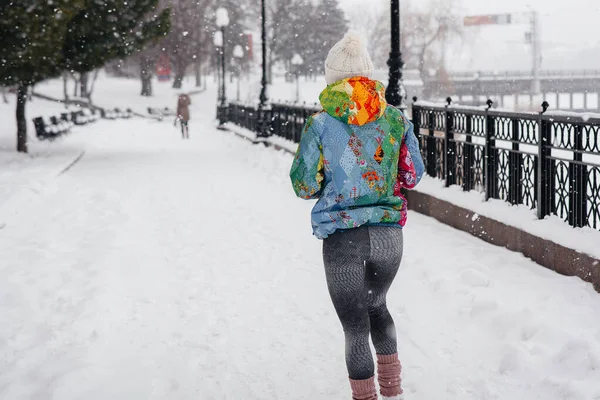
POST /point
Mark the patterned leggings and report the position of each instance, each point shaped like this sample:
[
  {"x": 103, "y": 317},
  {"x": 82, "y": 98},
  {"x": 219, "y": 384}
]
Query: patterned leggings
[{"x": 360, "y": 266}]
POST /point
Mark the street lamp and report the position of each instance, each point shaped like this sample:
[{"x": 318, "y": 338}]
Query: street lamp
[
  {"x": 297, "y": 61},
  {"x": 222, "y": 17},
  {"x": 218, "y": 42},
  {"x": 395, "y": 92},
  {"x": 238, "y": 53},
  {"x": 262, "y": 118}
]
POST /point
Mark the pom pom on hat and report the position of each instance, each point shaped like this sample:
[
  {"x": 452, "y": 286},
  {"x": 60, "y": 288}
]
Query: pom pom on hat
[
  {"x": 348, "y": 58},
  {"x": 354, "y": 44}
]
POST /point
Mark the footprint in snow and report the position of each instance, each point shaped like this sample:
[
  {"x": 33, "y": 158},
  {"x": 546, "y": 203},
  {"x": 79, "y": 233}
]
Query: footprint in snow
[{"x": 475, "y": 278}]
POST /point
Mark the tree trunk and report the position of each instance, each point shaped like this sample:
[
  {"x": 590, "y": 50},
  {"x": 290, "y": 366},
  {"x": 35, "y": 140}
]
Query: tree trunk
[
  {"x": 83, "y": 85},
  {"x": 147, "y": 87},
  {"x": 198, "y": 74},
  {"x": 146, "y": 76},
  {"x": 91, "y": 91},
  {"x": 179, "y": 75},
  {"x": 178, "y": 81},
  {"x": 76, "y": 86},
  {"x": 423, "y": 74},
  {"x": 65, "y": 91},
  {"x": 21, "y": 122},
  {"x": 3, "y": 90}
]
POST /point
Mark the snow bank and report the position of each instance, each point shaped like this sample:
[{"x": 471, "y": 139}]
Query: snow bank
[{"x": 551, "y": 228}]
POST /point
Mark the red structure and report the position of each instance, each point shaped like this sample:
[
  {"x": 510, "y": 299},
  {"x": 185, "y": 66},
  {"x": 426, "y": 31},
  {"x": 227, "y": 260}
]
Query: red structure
[{"x": 163, "y": 68}]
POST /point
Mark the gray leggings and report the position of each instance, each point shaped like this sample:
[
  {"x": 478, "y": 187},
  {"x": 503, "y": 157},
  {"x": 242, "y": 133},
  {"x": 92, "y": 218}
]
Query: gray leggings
[{"x": 360, "y": 266}]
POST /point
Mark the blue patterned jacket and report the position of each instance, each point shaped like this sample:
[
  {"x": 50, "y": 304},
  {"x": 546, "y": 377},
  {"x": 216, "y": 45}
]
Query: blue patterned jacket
[{"x": 354, "y": 157}]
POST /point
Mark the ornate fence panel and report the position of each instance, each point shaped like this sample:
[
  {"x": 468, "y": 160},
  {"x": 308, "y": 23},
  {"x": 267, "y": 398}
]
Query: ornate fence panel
[
  {"x": 245, "y": 116},
  {"x": 288, "y": 120},
  {"x": 572, "y": 156},
  {"x": 514, "y": 149},
  {"x": 549, "y": 162},
  {"x": 284, "y": 120},
  {"x": 432, "y": 124}
]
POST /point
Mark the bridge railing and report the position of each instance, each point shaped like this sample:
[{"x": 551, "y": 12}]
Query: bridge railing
[
  {"x": 285, "y": 120},
  {"x": 545, "y": 161}
]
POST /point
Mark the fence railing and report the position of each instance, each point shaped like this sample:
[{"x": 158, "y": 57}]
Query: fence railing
[
  {"x": 545, "y": 161},
  {"x": 283, "y": 120}
]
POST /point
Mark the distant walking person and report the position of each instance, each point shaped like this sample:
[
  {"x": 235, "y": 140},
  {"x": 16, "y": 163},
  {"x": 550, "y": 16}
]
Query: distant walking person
[
  {"x": 354, "y": 157},
  {"x": 183, "y": 114}
]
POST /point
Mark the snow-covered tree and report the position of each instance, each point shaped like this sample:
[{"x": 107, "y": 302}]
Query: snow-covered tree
[
  {"x": 425, "y": 31},
  {"x": 32, "y": 35},
  {"x": 109, "y": 29},
  {"x": 182, "y": 44},
  {"x": 328, "y": 28},
  {"x": 193, "y": 25},
  {"x": 305, "y": 28}
]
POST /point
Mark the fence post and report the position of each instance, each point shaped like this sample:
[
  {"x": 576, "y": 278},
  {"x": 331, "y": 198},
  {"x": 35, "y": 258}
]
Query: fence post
[
  {"x": 292, "y": 122},
  {"x": 265, "y": 115},
  {"x": 416, "y": 120},
  {"x": 298, "y": 118},
  {"x": 284, "y": 120},
  {"x": 468, "y": 160},
  {"x": 515, "y": 167},
  {"x": 449, "y": 146},
  {"x": 577, "y": 183},
  {"x": 545, "y": 175},
  {"x": 431, "y": 145},
  {"x": 489, "y": 155},
  {"x": 275, "y": 123}
]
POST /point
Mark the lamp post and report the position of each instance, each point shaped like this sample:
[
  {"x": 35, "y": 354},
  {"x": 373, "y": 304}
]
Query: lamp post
[
  {"x": 297, "y": 61},
  {"x": 262, "y": 120},
  {"x": 218, "y": 42},
  {"x": 238, "y": 53},
  {"x": 222, "y": 20},
  {"x": 395, "y": 93}
]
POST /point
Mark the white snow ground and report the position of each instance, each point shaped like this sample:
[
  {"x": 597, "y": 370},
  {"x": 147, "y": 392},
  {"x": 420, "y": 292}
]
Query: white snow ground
[{"x": 158, "y": 268}]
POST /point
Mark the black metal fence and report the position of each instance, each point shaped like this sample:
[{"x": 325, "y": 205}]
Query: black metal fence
[
  {"x": 546, "y": 161},
  {"x": 284, "y": 120}
]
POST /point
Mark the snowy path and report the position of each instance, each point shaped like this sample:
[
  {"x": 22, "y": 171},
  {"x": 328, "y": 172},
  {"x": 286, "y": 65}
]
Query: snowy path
[{"x": 162, "y": 269}]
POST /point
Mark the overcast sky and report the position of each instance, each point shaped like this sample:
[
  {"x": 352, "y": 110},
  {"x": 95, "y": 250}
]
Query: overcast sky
[{"x": 570, "y": 34}]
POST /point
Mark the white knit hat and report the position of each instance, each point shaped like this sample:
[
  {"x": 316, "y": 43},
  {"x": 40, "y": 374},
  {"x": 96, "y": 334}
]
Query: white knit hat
[{"x": 348, "y": 58}]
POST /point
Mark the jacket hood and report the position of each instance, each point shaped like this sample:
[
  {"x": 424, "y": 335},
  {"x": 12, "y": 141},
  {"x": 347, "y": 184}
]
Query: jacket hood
[{"x": 355, "y": 101}]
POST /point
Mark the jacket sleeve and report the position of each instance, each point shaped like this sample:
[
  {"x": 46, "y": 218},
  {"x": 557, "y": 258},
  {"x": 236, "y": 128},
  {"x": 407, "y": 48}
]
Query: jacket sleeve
[
  {"x": 307, "y": 169},
  {"x": 410, "y": 164}
]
